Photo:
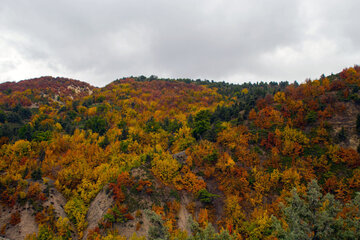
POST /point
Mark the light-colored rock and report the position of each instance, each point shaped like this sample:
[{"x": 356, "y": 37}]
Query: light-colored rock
[{"x": 97, "y": 210}]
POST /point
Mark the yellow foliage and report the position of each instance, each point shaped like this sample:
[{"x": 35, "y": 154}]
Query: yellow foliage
[
  {"x": 234, "y": 212},
  {"x": 225, "y": 161},
  {"x": 326, "y": 83},
  {"x": 63, "y": 226},
  {"x": 76, "y": 210},
  {"x": 233, "y": 137},
  {"x": 113, "y": 237},
  {"x": 203, "y": 217},
  {"x": 279, "y": 97},
  {"x": 165, "y": 167},
  {"x": 92, "y": 111},
  {"x": 291, "y": 178},
  {"x": 58, "y": 127},
  {"x": 245, "y": 91},
  {"x": 293, "y": 142},
  {"x": 21, "y": 148},
  {"x": 183, "y": 139},
  {"x": 136, "y": 237},
  {"x": 294, "y": 136},
  {"x": 261, "y": 222}
]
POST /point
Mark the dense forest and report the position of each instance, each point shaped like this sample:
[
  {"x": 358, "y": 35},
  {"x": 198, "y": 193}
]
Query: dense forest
[{"x": 149, "y": 158}]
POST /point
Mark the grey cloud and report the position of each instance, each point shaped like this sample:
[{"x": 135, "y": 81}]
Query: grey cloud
[{"x": 237, "y": 41}]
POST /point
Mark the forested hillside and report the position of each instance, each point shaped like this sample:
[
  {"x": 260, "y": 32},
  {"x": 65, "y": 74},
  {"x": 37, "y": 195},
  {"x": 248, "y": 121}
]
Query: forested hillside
[{"x": 149, "y": 158}]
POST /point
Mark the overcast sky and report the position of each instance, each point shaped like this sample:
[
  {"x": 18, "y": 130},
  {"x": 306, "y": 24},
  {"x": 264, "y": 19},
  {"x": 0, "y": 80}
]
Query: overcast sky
[{"x": 223, "y": 40}]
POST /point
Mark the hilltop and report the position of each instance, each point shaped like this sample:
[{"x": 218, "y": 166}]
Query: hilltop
[{"x": 180, "y": 159}]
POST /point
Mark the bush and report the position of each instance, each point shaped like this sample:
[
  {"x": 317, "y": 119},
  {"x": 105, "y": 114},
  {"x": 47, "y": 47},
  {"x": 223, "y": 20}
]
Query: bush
[
  {"x": 311, "y": 117},
  {"x": 97, "y": 124},
  {"x": 76, "y": 209},
  {"x": 342, "y": 135},
  {"x": 205, "y": 197},
  {"x": 15, "y": 218},
  {"x": 157, "y": 230},
  {"x": 13, "y": 117},
  {"x": 36, "y": 174},
  {"x": 358, "y": 124},
  {"x": 2, "y": 116},
  {"x": 104, "y": 143}
]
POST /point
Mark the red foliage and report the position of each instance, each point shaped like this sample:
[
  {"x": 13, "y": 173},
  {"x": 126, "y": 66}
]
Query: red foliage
[
  {"x": 45, "y": 83},
  {"x": 142, "y": 184},
  {"x": 15, "y": 218},
  {"x": 123, "y": 179},
  {"x": 337, "y": 85},
  {"x": 129, "y": 216},
  {"x": 271, "y": 141},
  {"x": 8, "y": 199}
]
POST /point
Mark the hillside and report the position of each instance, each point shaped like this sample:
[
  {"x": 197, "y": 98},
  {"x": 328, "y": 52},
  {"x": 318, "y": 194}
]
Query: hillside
[
  {"x": 62, "y": 86},
  {"x": 148, "y": 158}
]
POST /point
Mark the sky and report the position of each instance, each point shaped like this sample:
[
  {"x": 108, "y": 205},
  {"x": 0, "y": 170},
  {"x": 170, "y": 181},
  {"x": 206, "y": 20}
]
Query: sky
[{"x": 222, "y": 40}]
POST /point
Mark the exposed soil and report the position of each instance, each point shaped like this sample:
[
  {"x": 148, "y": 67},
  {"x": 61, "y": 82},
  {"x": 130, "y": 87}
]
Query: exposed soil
[
  {"x": 218, "y": 202},
  {"x": 25, "y": 227},
  {"x": 97, "y": 210},
  {"x": 347, "y": 120},
  {"x": 28, "y": 224},
  {"x": 129, "y": 228},
  {"x": 184, "y": 214}
]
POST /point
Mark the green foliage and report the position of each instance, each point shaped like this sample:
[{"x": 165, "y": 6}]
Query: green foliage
[
  {"x": 76, "y": 209},
  {"x": 315, "y": 217},
  {"x": 36, "y": 174},
  {"x": 201, "y": 124},
  {"x": 42, "y": 136},
  {"x": 110, "y": 217},
  {"x": 26, "y": 132},
  {"x": 88, "y": 102},
  {"x": 124, "y": 130},
  {"x": 152, "y": 125},
  {"x": 104, "y": 143},
  {"x": 157, "y": 230},
  {"x": 351, "y": 221},
  {"x": 205, "y": 197},
  {"x": 311, "y": 117},
  {"x": 207, "y": 233},
  {"x": 45, "y": 233},
  {"x": 170, "y": 125},
  {"x": 145, "y": 121},
  {"x": 358, "y": 124},
  {"x": 13, "y": 117},
  {"x": 213, "y": 157},
  {"x": 115, "y": 215},
  {"x": 97, "y": 124},
  {"x": 342, "y": 135},
  {"x": 24, "y": 113},
  {"x": 314, "y": 150},
  {"x": 124, "y": 146},
  {"x": 2, "y": 116}
]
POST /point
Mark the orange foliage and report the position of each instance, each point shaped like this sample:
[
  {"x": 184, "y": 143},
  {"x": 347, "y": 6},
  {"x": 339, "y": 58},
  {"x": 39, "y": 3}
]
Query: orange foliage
[
  {"x": 123, "y": 179},
  {"x": 189, "y": 181},
  {"x": 203, "y": 217},
  {"x": 252, "y": 114},
  {"x": 268, "y": 117}
]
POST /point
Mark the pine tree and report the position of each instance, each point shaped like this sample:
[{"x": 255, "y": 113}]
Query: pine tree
[{"x": 311, "y": 217}]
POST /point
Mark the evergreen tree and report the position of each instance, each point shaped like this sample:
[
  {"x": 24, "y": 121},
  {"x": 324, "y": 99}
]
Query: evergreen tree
[{"x": 311, "y": 217}]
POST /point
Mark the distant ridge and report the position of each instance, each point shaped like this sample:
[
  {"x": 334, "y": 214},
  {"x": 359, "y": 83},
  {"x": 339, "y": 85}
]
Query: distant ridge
[{"x": 58, "y": 85}]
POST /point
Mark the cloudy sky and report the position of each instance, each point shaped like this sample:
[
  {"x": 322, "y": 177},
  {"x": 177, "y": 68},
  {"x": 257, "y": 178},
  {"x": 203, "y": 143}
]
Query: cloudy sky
[{"x": 222, "y": 40}]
